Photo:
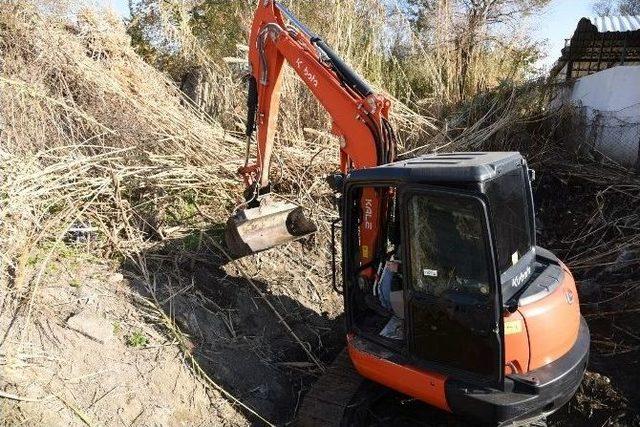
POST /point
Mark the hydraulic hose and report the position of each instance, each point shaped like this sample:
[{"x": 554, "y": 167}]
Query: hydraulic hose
[
  {"x": 348, "y": 76},
  {"x": 252, "y": 106}
]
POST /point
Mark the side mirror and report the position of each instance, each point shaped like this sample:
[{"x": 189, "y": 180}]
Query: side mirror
[{"x": 532, "y": 175}]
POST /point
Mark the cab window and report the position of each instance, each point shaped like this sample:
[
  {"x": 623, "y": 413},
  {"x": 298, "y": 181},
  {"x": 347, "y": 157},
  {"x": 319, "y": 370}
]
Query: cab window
[
  {"x": 508, "y": 197},
  {"x": 447, "y": 246}
]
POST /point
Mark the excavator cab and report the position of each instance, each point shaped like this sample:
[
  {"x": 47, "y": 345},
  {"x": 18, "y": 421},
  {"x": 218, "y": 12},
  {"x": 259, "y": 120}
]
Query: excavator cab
[{"x": 458, "y": 307}]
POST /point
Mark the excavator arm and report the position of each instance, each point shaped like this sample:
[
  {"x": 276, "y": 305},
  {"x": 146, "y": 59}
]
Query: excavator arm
[{"x": 359, "y": 116}]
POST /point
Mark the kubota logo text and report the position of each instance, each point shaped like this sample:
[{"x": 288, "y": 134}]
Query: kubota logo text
[
  {"x": 368, "y": 213},
  {"x": 521, "y": 278},
  {"x": 308, "y": 75}
]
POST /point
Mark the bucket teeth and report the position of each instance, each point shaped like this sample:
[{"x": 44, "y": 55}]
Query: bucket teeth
[{"x": 257, "y": 229}]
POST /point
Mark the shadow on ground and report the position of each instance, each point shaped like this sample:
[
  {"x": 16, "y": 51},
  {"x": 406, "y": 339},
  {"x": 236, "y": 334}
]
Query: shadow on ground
[{"x": 235, "y": 336}]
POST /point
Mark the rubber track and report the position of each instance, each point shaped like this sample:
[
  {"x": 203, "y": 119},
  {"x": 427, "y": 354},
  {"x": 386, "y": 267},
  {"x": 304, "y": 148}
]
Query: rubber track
[{"x": 324, "y": 405}]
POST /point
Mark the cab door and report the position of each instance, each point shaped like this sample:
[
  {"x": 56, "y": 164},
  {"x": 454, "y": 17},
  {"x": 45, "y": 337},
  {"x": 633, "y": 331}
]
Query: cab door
[{"x": 454, "y": 322}]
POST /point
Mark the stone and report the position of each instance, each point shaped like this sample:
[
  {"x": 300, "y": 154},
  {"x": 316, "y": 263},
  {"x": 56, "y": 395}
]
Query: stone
[{"x": 92, "y": 326}]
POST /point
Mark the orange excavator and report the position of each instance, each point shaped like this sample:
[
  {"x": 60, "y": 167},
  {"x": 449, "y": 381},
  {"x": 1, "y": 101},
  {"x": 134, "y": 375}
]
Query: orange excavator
[{"x": 447, "y": 297}]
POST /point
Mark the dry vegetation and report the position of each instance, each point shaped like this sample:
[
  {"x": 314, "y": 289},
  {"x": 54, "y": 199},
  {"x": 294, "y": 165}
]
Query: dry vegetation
[
  {"x": 104, "y": 159},
  {"x": 106, "y": 166}
]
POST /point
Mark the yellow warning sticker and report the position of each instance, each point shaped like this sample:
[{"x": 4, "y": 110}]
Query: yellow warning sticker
[
  {"x": 365, "y": 251},
  {"x": 512, "y": 327}
]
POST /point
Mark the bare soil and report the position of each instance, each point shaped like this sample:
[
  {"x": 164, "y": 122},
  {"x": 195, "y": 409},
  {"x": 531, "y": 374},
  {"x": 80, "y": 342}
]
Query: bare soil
[
  {"x": 55, "y": 375},
  {"x": 58, "y": 376},
  {"x": 237, "y": 337}
]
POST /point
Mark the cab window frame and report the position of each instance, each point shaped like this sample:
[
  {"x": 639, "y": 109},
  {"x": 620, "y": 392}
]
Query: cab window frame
[
  {"x": 350, "y": 246},
  {"x": 492, "y": 190}
]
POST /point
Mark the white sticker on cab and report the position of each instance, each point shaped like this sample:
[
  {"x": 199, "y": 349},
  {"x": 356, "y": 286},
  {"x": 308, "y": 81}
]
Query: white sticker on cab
[{"x": 430, "y": 273}]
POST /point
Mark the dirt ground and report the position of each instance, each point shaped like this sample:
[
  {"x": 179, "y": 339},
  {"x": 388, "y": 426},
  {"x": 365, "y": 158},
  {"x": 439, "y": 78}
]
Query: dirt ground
[
  {"x": 236, "y": 334},
  {"x": 129, "y": 369},
  {"x": 124, "y": 371}
]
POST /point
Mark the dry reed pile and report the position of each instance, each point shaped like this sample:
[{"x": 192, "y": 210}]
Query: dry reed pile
[{"x": 93, "y": 135}]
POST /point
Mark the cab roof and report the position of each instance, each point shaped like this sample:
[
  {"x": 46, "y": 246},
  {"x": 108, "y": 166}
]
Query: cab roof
[{"x": 465, "y": 167}]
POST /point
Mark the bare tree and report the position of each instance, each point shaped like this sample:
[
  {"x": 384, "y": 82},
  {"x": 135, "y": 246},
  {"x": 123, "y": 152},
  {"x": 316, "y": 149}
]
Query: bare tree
[
  {"x": 629, "y": 7},
  {"x": 501, "y": 11},
  {"x": 488, "y": 11},
  {"x": 603, "y": 7},
  {"x": 471, "y": 31},
  {"x": 616, "y": 7}
]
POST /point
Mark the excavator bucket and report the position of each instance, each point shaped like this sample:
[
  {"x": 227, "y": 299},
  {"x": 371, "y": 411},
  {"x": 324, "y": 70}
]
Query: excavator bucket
[{"x": 271, "y": 224}]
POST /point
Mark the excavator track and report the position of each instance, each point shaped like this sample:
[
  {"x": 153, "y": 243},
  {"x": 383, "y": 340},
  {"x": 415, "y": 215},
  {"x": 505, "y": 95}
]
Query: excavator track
[
  {"x": 329, "y": 402},
  {"x": 341, "y": 397}
]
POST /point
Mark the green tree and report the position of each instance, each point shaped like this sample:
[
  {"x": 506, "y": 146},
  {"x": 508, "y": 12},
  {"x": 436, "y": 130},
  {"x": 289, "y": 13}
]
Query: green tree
[
  {"x": 166, "y": 32},
  {"x": 221, "y": 25}
]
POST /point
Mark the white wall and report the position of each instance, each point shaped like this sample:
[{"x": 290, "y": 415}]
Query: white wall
[
  {"x": 614, "y": 89},
  {"x": 611, "y": 102}
]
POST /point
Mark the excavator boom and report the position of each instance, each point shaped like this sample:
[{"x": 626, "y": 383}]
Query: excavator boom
[{"x": 359, "y": 121}]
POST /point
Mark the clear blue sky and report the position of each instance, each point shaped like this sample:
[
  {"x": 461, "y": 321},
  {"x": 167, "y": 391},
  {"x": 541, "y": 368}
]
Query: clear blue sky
[
  {"x": 121, "y": 6},
  {"x": 557, "y": 22}
]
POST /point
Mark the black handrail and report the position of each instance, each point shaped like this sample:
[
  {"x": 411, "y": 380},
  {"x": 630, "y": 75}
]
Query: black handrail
[{"x": 334, "y": 280}]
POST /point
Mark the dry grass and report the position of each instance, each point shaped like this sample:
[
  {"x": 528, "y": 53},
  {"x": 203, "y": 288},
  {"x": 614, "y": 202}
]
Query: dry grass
[{"x": 92, "y": 136}]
